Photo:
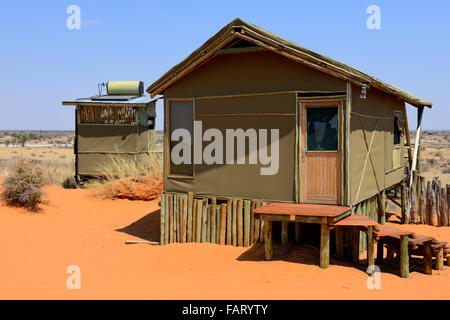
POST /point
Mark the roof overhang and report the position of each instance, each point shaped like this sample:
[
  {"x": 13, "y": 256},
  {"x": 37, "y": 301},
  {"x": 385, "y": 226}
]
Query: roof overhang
[{"x": 267, "y": 40}]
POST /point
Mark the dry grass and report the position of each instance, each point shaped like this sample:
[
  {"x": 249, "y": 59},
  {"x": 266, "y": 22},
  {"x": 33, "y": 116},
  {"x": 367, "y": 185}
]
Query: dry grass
[
  {"x": 58, "y": 164},
  {"x": 130, "y": 178},
  {"x": 37, "y": 153}
]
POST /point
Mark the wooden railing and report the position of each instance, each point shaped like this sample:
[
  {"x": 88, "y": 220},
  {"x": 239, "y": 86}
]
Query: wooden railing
[{"x": 427, "y": 202}]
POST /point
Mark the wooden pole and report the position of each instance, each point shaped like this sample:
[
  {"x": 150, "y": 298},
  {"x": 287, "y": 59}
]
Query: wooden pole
[
  {"x": 234, "y": 223},
  {"x": 284, "y": 232},
  {"x": 204, "y": 218},
  {"x": 257, "y": 225},
  {"x": 198, "y": 237},
  {"x": 252, "y": 222},
  {"x": 324, "y": 261},
  {"x": 166, "y": 219},
  {"x": 268, "y": 240},
  {"x": 298, "y": 233},
  {"x": 417, "y": 140},
  {"x": 240, "y": 225},
  {"x": 162, "y": 219},
  {"x": 340, "y": 249},
  {"x": 213, "y": 223},
  {"x": 443, "y": 207},
  {"x": 404, "y": 256},
  {"x": 413, "y": 197},
  {"x": 247, "y": 218},
  {"x": 171, "y": 239},
  {"x": 189, "y": 216},
  {"x": 194, "y": 220},
  {"x": 405, "y": 219},
  {"x": 433, "y": 209},
  {"x": 448, "y": 203},
  {"x": 380, "y": 252},
  {"x": 355, "y": 244},
  {"x": 184, "y": 218},
  {"x": 211, "y": 213},
  {"x": 427, "y": 258},
  {"x": 381, "y": 207},
  {"x": 440, "y": 259},
  {"x": 422, "y": 200},
  {"x": 223, "y": 222},
  {"x": 370, "y": 249},
  {"x": 229, "y": 221},
  {"x": 408, "y": 137},
  {"x": 428, "y": 204},
  {"x": 217, "y": 240},
  {"x": 175, "y": 218}
]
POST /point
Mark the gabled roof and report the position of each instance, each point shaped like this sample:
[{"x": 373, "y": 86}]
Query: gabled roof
[{"x": 265, "y": 39}]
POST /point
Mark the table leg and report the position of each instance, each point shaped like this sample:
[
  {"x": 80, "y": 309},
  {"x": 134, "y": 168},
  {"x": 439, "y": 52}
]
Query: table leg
[
  {"x": 404, "y": 256},
  {"x": 355, "y": 245},
  {"x": 427, "y": 258},
  {"x": 284, "y": 232},
  {"x": 268, "y": 240},
  {"x": 370, "y": 249},
  {"x": 440, "y": 259},
  {"x": 297, "y": 232},
  {"x": 324, "y": 246},
  {"x": 340, "y": 250},
  {"x": 380, "y": 252}
]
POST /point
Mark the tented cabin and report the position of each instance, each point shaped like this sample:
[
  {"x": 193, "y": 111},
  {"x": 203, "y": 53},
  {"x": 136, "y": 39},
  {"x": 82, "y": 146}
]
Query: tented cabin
[
  {"x": 118, "y": 124},
  {"x": 325, "y": 134}
]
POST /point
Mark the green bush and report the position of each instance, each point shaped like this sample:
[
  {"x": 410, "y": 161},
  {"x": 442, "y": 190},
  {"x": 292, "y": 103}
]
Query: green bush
[{"x": 23, "y": 185}]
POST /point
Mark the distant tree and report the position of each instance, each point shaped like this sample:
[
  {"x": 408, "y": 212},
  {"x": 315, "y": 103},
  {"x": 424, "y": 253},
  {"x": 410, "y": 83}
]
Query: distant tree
[
  {"x": 32, "y": 136},
  {"x": 14, "y": 140},
  {"x": 7, "y": 142},
  {"x": 23, "y": 138}
]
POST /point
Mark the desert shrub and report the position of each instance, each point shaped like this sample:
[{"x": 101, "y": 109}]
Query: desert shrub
[
  {"x": 431, "y": 161},
  {"x": 134, "y": 178},
  {"x": 23, "y": 185}
]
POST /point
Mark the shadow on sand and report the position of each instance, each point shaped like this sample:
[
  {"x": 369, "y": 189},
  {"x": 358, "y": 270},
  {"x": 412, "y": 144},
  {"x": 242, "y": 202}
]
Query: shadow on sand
[{"x": 146, "y": 228}]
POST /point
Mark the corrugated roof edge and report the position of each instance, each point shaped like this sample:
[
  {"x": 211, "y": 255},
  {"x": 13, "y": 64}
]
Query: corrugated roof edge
[
  {"x": 279, "y": 45},
  {"x": 140, "y": 101}
]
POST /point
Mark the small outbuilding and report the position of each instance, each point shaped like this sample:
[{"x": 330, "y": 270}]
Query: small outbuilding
[{"x": 120, "y": 123}]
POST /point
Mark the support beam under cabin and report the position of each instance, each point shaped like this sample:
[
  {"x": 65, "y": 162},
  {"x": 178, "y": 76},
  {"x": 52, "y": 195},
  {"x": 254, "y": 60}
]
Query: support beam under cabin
[
  {"x": 324, "y": 246},
  {"x": 416, "y": 156}
]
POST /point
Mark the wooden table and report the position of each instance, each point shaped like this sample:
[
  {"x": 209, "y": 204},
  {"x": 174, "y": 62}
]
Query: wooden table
[{"x": 325, "y": 215}]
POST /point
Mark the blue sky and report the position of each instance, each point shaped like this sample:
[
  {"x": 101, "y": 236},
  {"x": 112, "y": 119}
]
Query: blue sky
[{"x": 42, "y": 62}]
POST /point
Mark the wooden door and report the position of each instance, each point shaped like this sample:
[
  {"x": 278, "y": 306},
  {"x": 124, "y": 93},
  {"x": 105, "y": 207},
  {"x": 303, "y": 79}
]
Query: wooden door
[{"x": 320, "y": 152}]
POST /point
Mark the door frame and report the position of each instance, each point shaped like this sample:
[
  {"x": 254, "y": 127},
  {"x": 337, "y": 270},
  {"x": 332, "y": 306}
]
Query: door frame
[{"x": 301, "y": 143}]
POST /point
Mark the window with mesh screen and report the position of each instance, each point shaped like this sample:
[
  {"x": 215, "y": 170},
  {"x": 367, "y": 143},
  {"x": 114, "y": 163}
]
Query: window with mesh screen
[
  {"x": 181, "y": 116},
  {"x": 322, "y": 128},
  {"x": 397, "y": 130}
]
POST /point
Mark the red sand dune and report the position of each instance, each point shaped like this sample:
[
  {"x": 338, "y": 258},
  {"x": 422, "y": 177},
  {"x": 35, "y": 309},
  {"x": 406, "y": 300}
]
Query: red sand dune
[{"x": 74, "y": 228}]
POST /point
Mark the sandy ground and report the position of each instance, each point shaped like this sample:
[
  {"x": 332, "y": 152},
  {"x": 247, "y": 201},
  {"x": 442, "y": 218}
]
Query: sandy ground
[{"x": 76, "y": 229}]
